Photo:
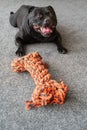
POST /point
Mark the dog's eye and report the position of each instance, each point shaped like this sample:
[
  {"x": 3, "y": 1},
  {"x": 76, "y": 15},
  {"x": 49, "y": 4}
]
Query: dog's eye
[{"x": 49, "y": 13}]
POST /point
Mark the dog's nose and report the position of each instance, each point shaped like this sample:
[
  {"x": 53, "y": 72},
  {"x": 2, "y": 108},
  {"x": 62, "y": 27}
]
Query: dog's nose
[{"x": 47, "y": 21}]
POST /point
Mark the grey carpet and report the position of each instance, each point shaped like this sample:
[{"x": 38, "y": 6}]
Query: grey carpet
[{"x": 15, "y": 88}]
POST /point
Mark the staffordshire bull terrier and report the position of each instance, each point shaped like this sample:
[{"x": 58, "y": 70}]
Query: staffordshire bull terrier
[{"x": 36, "y": 24}]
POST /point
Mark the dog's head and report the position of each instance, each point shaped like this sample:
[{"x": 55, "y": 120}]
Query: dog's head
[{"x": 43, "y": 20}]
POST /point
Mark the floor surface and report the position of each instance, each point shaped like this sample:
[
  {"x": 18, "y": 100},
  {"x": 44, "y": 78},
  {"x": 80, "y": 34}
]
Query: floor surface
[{"x": 16, "y": 88}]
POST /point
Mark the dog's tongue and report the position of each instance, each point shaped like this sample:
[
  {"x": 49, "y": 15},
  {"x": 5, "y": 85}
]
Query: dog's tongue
[{"x": 46, "y": 30}]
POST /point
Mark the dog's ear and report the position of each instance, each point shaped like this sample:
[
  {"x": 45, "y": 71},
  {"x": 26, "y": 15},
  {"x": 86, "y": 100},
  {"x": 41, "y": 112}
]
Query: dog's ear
[
  {"x": 50, "y": 8},
  {"x": 30, "y": 9},
  {"x": 53, "y": 12}
]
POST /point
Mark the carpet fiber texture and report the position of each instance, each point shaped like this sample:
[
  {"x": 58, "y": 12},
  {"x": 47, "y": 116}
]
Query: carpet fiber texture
[{"x": 16, "y": 88}]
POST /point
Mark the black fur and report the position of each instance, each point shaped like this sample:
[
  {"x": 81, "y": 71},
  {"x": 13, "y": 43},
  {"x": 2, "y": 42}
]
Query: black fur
[{"x": 36, "y": 24}]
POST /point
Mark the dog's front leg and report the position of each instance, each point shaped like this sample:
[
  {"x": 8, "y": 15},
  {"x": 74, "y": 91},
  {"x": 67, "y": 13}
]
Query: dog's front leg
[
  {"x": 58, "y": 41},
  {"x": 20, "y": 43}
]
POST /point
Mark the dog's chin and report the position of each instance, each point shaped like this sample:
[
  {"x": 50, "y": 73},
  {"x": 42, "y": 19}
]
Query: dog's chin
[
  {"x": 45, "y": 35},
  {"x": 44, "y": 31}
]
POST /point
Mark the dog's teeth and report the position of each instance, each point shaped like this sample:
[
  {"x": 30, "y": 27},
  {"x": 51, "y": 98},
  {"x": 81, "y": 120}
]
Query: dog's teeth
[{"x": 46, "y": 30}]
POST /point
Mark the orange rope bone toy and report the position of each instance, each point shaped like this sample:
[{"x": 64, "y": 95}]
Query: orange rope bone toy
[{"x": 47, "y": 91}]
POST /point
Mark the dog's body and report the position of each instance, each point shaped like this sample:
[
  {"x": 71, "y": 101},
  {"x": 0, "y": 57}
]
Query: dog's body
[{"x": 36, "y": 24}]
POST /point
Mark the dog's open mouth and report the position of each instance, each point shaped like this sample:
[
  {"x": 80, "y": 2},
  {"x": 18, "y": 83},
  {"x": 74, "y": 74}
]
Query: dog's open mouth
[{"x": 43, "y": 30}]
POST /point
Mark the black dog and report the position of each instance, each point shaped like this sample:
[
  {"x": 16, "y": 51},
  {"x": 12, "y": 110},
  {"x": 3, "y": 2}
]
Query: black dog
[{"x": 36, "y": 24}]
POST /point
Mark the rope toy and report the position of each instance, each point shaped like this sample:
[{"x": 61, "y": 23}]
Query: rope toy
[{"x": 47, "y": 91}]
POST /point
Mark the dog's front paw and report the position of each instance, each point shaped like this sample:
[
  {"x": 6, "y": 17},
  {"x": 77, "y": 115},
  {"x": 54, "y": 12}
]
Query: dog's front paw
[
  {"x": 62, "y": 50},
  {"x": 20, "y": 52}
]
